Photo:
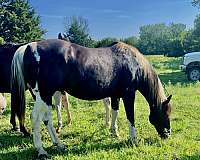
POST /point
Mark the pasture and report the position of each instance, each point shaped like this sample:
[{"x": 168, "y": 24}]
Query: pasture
[{"x": 87, "y": 137}]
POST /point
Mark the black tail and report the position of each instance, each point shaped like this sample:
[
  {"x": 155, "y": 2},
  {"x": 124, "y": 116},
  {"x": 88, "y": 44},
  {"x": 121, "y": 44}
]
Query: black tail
[{"x": 18, "y": 87}]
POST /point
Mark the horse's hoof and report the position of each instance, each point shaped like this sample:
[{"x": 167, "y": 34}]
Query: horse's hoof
[
  {"x": 15, "y": 129},
  {"x": 114, "y": 132},
  {"x": 107, "y": 125},
  {"x": 133, "y": 141},
  {"x": 60, "y": 147},
  {"x": 69, "y": 122},
  {"x": 58, "y": 130},
  {"x": 26, "y": 134},
  {"x": 42, "y": 154},
  {"x": 43, "y": 157}
]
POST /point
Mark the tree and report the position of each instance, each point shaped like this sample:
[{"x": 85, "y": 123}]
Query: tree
[
  {"x": 133, "y": 41},
  {"x": 106, "y": 42},
  {"x": 162, "y": 39},
  {"x": 153, "y": 39},
  {"x": 77, "y": 31},
  {"x": 19, "y": 22},
  {"x": 196, "y": 3}
]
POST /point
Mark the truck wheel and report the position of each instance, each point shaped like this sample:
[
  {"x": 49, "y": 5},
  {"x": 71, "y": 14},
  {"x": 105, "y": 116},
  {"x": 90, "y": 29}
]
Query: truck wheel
[{"x": 193, "y": 74}]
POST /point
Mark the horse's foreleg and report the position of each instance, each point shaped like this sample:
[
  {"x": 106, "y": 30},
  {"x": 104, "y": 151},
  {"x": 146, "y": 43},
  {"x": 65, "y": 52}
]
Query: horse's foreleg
[
  {"x": 115, "y": 109},
  {"x": 58, "y": 103},
  {"x": 36, "y": 117},
  {"x": 66, "y": 106},
  {"x": 129, "y": 107},
  {"x": 107, "y": 103},
  {"x": 47, "y": 119}
]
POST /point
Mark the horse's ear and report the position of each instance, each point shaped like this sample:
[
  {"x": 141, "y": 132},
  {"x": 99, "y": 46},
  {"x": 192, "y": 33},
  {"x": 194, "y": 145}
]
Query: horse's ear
[
  {"x": 167, "y": 100},
  {"x": 60, "y": 36}
]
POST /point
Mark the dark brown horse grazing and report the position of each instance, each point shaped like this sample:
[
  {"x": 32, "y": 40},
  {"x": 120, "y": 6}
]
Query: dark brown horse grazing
[{"x": 116, "y": 71}]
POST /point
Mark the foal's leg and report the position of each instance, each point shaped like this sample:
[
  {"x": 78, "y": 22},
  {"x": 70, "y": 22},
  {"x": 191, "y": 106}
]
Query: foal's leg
[
  {"x": 115, "y": 109},
  {"x": 37, "y": 115},
  {"x": 58, "y": 103},
  {"x": 66, "y": 106},
  {"x": 129, "y": 107},
  {"x": 107, "y": 103},
  {"x": 47, "y": 119},
  {"x": 42, "y": 112}
]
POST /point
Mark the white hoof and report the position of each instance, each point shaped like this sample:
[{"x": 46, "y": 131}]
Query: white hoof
[{"x": 42, "y": 154}]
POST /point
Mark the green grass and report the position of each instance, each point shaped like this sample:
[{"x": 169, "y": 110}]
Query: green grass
[{"x": 87, "y": 138}]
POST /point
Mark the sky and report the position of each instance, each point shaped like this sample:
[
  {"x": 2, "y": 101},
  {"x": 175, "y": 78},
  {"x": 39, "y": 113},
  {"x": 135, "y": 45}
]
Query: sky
[{"x": 113, "y": 18}]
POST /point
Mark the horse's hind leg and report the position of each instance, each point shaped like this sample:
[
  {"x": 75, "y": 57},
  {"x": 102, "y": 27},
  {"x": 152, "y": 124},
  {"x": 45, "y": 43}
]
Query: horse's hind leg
[
  {"x": 58, "y": 103},
  {"x": 107, "y": 104},
  {"x": 129, "y": 107},
  {"x": 66, "y": 106},
  {"x": 21, "y": 117},
  {"x": 13, "y": 120},
  {"x": 115, "y": 109}
]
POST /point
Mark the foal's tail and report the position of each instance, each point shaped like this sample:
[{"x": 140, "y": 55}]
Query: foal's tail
[{"x": 18, "y": 85}]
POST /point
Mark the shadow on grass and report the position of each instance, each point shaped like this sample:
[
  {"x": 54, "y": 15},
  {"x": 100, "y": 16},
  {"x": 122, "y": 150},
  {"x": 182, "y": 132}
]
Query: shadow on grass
[{"x": 9, "y": 140}]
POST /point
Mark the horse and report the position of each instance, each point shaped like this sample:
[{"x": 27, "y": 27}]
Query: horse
[
  {"x": 117, "y": 71},
  {"x": 2, "y": 103},
  {"x": 6, "y": 54}
]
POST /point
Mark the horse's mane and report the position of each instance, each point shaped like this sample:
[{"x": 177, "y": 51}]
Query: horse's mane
[{"x": 147, "y": 78}]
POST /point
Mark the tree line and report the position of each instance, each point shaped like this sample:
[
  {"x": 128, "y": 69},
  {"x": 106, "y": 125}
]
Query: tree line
[{"x": 20, "y": 23}]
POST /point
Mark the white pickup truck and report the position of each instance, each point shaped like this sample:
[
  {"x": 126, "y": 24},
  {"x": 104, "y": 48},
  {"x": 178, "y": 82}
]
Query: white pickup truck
[{"x": 191, "y": 65}]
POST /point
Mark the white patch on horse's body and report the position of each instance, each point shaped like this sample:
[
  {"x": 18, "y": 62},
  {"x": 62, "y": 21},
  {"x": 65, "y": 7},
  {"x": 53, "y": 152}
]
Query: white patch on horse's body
[
  {"x": 132, "y": 132},
  {"x": 34, "y": 50}
]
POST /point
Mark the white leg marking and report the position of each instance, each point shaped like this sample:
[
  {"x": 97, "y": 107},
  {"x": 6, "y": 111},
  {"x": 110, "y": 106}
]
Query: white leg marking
[
  {"x": 114, "y": 128},
  {"x": 48, "y": 118},
  {"x": 58, "y": 103},
  {"x": 107, "y": 105},
  {"x": 132, "y": 132},
  {"x": 36, "y": 117},
  {"x": 66, "y": 106}
]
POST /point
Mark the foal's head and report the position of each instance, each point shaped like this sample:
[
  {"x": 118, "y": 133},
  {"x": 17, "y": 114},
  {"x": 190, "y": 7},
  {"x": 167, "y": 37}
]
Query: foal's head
[{"x": 159, "y": 117}]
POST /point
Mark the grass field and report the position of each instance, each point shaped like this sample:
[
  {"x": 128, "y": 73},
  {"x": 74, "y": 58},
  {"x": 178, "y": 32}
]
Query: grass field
[{"x": 87, "y": 138}]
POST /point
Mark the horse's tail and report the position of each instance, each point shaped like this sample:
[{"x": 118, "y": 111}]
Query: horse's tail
[{"x": 18, "y": 85}]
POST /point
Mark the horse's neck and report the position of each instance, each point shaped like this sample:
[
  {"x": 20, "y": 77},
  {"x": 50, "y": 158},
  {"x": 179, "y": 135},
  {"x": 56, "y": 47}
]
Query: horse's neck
[{"x": 151, "y": 88}]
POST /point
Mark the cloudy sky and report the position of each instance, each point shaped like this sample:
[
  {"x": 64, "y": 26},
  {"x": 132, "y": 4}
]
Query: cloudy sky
[{"x": 113, "y": 18}]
